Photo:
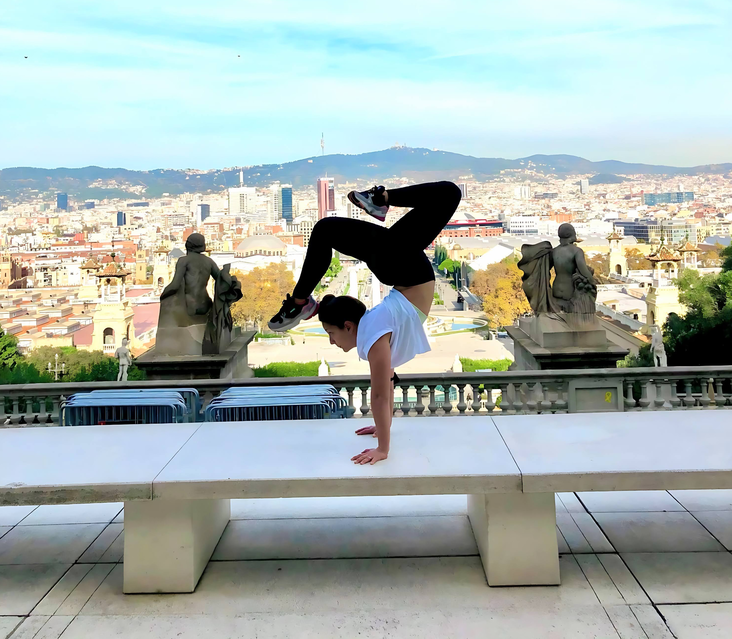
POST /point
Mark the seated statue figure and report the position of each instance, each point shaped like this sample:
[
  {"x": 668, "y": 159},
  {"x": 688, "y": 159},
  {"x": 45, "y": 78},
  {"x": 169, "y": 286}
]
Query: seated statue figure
[
  {"x": 574, "y": 289},
  {"x": 190, "y": 323}
]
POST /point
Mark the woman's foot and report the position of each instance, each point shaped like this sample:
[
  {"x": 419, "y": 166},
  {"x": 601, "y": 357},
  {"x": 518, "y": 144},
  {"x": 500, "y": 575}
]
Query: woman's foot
[
  {"x": 292, "y": 313},
  {"x": 372, "y": 201}
]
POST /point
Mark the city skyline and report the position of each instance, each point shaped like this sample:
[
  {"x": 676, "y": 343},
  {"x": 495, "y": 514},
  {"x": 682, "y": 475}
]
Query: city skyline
[{"x": 190, "y": 85}]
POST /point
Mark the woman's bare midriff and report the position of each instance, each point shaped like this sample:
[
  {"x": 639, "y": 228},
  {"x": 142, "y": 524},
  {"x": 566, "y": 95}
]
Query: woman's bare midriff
[{"x": 420, "y": 295}]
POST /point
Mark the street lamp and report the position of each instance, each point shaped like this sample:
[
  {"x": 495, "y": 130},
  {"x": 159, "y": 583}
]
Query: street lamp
[{"x": 58, "y": 372}]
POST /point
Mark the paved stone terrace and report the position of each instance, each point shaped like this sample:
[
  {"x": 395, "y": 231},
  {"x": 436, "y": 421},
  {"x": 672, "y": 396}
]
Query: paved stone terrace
[{"x": 646, "y": 565}]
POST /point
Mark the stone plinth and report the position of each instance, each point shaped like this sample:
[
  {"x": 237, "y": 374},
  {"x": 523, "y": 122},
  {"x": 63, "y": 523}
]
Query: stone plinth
[
  {"x": 231, "y": 363},
  {"x": 551, "y": 342}
]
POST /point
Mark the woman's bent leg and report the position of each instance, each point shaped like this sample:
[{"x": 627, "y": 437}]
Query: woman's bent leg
[
  {"x": 354, "y": 238},
  {"x": 433, "y": 204}
]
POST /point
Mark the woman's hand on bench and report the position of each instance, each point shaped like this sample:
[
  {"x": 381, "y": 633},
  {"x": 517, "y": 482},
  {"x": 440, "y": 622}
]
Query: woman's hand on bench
[
  {"x": 367, "y": 430},
  {"x": 369, "y": 456}
]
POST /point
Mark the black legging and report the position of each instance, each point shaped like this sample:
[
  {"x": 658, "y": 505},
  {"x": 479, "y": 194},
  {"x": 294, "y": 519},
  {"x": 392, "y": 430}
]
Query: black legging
[{"x": 394, "y": 255}]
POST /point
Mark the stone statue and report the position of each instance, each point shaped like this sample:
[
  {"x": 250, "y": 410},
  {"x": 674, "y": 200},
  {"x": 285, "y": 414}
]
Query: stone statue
[
  {"x": 190, "y": 323},
  {"x": 125, "y": 359},
  {"x": 574, "y": 289},
  {"x": 658, "y": 349}
]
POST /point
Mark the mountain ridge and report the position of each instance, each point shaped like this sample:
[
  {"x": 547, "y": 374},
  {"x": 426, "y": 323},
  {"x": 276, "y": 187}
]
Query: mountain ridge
[{"x": 416, "y": 163}]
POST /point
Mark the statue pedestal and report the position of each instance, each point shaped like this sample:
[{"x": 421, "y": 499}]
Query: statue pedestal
[
  {"x": 231, "y": 363},
  {"x": 561, "y": 341}
]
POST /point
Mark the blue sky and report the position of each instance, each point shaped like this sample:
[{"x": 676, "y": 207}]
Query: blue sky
[{"x": 212, "y": 84}]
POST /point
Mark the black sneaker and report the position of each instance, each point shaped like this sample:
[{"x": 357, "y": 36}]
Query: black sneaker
[
  {"x": 371, "y": 201},
  {"x": 292, "y": 313}
]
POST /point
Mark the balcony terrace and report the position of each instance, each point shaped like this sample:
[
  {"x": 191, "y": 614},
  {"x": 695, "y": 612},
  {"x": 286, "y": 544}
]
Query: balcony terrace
[{"x": 641, "y": 564}]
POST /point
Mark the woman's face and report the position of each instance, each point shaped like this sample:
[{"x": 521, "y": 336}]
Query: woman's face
[{"x": 344, "y": 338}]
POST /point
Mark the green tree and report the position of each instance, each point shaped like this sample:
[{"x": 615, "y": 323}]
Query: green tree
[
  {"x": 335, "y": 266},
  {"x": 24, "y": 373},
  {"x": 705, "y": 294},
  {"x": 9, "y": 354},
  {"x": 450, "y": 265},
  {"x": 726, "y": 255},
  {"x": 703, "y": 337},
  {"x": 643, "y": 359}
]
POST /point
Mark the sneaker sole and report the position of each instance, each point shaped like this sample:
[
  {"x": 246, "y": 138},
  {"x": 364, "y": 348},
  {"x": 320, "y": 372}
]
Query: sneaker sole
[
  {"x": 294, "y": 322},
  {"x": 357, "y": 203}
]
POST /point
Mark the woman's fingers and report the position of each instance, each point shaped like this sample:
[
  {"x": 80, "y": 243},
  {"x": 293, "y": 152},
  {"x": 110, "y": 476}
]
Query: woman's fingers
[{"x": 366, "y": 430}]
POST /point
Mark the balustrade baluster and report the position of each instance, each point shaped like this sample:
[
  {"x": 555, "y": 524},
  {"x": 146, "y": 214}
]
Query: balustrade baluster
[
  {"x": 461, "y": 405},
  {"x": 447, "y": 404},
  {"x": 16, "y": 417},
  {"x": 675, "y": 401},
  {"x": 629, "y": 400},
  {"x": 532, "y": 406},
  {"x": 518, "y": 404},
  {"x": 719, "y": 398},
  {"x": 364, "y": 400},
  {"x": 688, "y": 400},
  {"x": 433, "y": 404},
  {"x": 561, "y": 405},
  {"x": 405, "y": 400},
  {"x": 3, "y": 414},
  {"x": 351, "y": 406},
  {"x": 490, "y": 403},
  {"x": 645, "y": 401},
  {"x": 705, "y": 400},
  {"x": 419, "y": 404},
  {"x": 506, "y": 406},
  {"x": 659, "y": 401},
  {"x": 475, "y": 390},
  {"x": 545, "y": 405},
  {"x": 728, "y": 398}
]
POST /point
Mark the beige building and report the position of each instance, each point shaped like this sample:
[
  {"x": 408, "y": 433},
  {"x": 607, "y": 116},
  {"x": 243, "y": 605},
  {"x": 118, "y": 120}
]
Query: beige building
[{"x": 113, "y": 319}]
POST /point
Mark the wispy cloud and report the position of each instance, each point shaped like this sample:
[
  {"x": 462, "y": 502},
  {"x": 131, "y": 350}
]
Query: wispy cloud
[{"x": 218, "y": 83}]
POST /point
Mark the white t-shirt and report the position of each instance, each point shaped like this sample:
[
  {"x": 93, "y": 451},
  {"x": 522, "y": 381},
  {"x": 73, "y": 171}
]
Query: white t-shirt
[{"x": 397, "y": 316}]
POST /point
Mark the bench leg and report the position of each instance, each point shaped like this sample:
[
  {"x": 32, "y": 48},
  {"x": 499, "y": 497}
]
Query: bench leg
[
  {"x": 517, "y": 538},
  {"x": 169, "y": 542}
]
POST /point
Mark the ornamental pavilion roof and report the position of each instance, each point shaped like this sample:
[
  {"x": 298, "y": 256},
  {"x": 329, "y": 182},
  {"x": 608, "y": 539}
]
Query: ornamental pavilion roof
[
  {"x": 91, "y": 264},
  {"x": 113, "y": 269},
  {"x": 665, "y": 254},
  {"x": 689, "y": 248}
]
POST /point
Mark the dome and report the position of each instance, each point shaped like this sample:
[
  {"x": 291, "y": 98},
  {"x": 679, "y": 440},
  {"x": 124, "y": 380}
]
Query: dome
[{"x": 261, "y": 245}]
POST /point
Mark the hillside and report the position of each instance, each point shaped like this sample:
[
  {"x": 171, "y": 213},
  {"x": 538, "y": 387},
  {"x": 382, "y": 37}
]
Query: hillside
[{"x": 376, "y": 166}]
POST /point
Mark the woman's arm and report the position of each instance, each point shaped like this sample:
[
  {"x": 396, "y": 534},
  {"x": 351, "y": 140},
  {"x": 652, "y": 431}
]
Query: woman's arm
[
  {"x": 382, "y": 406},
  {"x": 371, "y": 430}
]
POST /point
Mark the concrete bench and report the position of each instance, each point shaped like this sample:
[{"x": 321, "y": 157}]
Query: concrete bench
[{"x": 177, "y": 479}]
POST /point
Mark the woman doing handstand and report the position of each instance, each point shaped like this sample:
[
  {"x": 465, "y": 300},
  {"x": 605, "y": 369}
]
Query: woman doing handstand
[{"x": 391, "y": 333}]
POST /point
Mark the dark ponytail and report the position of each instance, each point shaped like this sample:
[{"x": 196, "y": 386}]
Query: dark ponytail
[{"x": 339, "y": 310}]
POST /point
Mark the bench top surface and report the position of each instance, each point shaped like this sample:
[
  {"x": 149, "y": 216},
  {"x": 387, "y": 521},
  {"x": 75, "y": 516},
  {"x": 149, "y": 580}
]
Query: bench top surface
[
  {"x": 458, "y": 455},
  {"x": 655, "y": 450},
  {"x": 313, "y": 458},
  {"x": 85, "y": 463}
]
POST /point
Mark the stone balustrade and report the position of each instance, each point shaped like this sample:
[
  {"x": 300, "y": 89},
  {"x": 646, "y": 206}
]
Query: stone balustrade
[{"x": 495, "y": 393}]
